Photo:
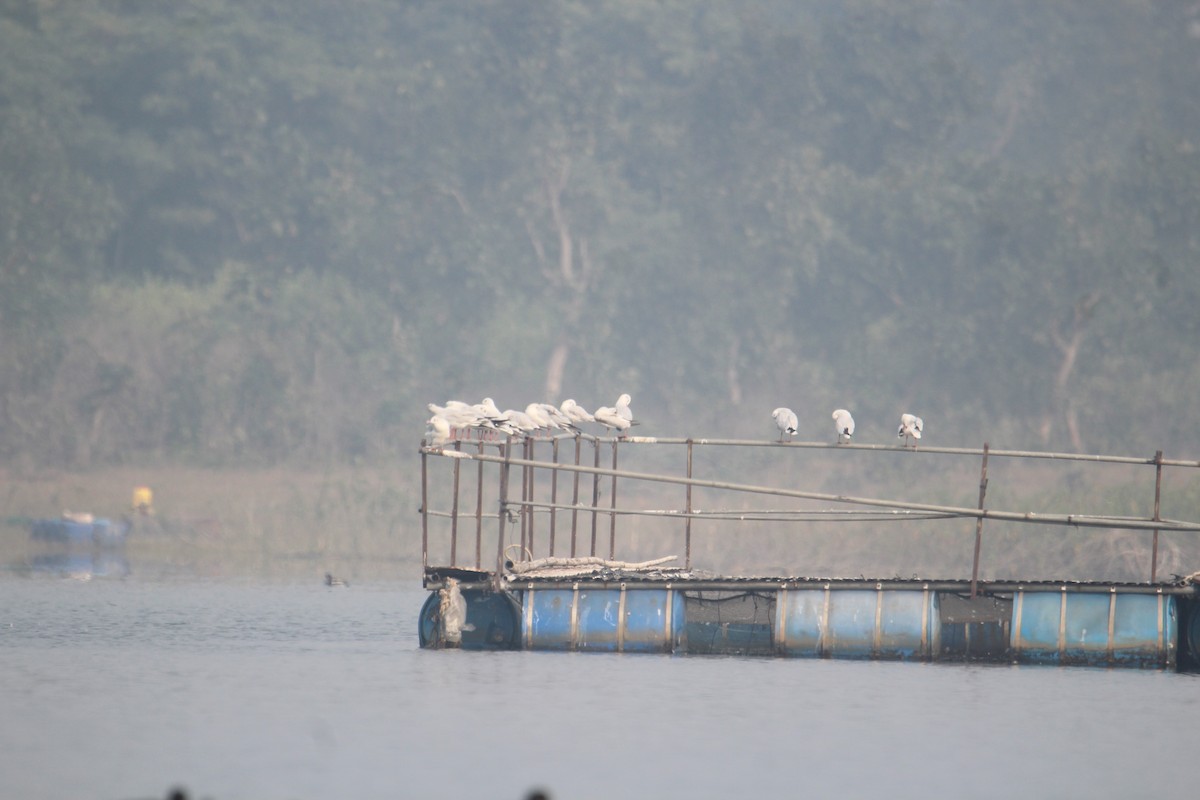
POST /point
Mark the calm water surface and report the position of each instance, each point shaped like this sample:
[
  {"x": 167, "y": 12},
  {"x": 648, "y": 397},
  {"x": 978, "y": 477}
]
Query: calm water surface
[{"x": 123, "y": 688}]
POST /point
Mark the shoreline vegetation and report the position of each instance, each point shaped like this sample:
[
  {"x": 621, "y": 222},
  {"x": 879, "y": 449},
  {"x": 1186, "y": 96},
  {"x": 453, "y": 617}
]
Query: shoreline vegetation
[
  {"x": 271, "y": 523},
  {"x": 364, "y": 524}
]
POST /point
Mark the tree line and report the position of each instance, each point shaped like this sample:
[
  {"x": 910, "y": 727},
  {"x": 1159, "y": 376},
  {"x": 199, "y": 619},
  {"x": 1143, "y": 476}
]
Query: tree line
[{"x": 272, "y": 232}]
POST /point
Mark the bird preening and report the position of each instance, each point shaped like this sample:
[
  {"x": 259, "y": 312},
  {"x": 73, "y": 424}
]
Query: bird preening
[
  {"x": 844, "y": 423},
  {"x": 785, "y": 420},
  {"x": 910, "y": 428},
  {"x": 456, "y": 419}
]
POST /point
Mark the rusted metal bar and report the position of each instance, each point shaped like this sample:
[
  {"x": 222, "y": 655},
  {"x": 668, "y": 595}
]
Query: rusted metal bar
[
  {"x": 993, "y": 588},
  {"x": 595, "y": 493},
  {"x": 575, "y": 499},
  {"x": 553, "y": 495},
  {"x": 612, "y": 517},
  {"x": 687, "y": 526},
  {"x": 1158, "y": 465},
  {"x": 741, "y": 515},
  {"x": 424, "y": 510},
  {"x": 479, "y": 514},
  {"x": 525, "y": 470},
  {"x": 529, "y": 512},
  {"x": 983, "y": 480},
  {"x": 926, "y": 449},
  {"x": 454, "y": 507},
  {"x": 497, "y": 577}
]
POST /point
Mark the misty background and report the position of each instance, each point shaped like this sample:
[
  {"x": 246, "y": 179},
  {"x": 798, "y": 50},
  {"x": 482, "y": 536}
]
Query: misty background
[{"x": 262, "y": 236}]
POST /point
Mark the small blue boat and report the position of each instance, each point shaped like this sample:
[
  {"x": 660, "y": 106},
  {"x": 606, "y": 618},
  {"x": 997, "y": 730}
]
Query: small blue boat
[{"x": 99, "y": 531}]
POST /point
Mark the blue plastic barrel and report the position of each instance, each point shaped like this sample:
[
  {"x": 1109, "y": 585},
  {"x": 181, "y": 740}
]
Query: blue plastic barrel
[
  {"x": 857, "y": 623},
  {"x": 626, "y": 619},
  {"x": 1125, "y": 629},
  {"x": 492, "y": 616}
]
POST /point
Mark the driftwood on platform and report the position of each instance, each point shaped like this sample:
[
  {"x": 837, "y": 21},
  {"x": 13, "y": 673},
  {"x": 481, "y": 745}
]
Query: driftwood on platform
[{"x": 557, "y": 567}]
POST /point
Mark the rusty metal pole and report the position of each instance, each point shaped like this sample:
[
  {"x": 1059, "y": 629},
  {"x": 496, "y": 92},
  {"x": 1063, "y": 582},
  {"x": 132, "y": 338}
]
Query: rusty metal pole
[
  {"x": 479, "y": 513},
  {"x": 454, "y": 507},
  {"x": 527, "y": 455},
  {"x": 529, "y": 509},
  {"x": 595, "y": 492},
  {"x": 553, "y": 496},
  {"x": 1158, "y": 459},
  {"x": 687, "y": 525},
  {"x": 612, "y": 517},
  {"x": 983, "y": 481},
  {"x": 507, "y": 448},
  {"x": 575, "y": 499},
  {"x": 424, "y": 510}
]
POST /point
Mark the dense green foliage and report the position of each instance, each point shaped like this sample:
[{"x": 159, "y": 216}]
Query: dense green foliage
[{"x": 271, "y": 232}]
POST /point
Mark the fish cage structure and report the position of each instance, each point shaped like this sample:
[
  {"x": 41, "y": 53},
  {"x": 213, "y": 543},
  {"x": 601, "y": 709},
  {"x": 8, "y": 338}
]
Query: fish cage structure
[{"x": 528, "y": 531}]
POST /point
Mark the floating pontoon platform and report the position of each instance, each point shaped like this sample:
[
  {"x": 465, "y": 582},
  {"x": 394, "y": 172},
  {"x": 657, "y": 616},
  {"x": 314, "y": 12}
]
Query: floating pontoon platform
[{"x": 586, "y": 602}]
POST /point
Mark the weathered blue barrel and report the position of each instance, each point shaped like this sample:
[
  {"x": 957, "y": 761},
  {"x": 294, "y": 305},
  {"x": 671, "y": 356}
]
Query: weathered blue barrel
[
  {"x": 1125, "y": 629},
  {"x": 623, "y": 620},
  {"x": 491, "y": 615},
  {"x": 858, "y": 623}
]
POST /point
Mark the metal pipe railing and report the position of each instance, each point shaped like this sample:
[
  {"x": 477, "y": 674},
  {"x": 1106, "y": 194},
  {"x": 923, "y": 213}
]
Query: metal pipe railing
[
  {"x": 1078, "y": 520},
  {"x": 896, "y": 510}
]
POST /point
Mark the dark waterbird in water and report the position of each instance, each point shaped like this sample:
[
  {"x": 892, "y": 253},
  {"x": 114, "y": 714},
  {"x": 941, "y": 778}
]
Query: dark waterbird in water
[{"x": 332, "y": 581}]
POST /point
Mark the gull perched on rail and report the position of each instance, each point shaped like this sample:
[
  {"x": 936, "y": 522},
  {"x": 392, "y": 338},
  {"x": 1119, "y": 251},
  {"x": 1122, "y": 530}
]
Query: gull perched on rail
[
  {"x": 785, "y": 420},
  {"x": 441, "y": 429},
  {"x": 575, "y": 412},
  {"x": 844, "y": 423},
  {"x": 557, "y": 418},
  {"x": 623, "y": 408},
  {"x": 910, "y": 427},
  {"x": 612, "y": 418}
]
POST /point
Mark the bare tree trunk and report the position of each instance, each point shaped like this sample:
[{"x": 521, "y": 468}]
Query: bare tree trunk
[
  {"x": 1068, "y": 348},
  {"x": 571, "y": 278}
]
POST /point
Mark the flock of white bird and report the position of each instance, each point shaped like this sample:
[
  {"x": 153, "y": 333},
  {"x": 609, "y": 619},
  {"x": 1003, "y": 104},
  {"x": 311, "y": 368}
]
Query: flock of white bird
[
  {"x": 843, "y": 423},
  {"x": 451, "y": 420}
]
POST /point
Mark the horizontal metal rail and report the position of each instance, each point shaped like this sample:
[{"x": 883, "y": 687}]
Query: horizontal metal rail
[
  {"x": 1075, "y": 520},
  {"x": 993, "y": 588},
  {"x": 891, "y": 448},
  {"x": 760, "y": 515}
]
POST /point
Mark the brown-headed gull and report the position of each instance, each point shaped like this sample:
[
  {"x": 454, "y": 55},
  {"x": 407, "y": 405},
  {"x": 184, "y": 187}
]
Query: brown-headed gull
[
  {"x": 785, "y": 420},
  {"x": 441, "y": 429},
  {"x": 612, "y": 419},
  {"x": 910, "y": 427},
  {"x": 575, "y": 412},
  {"x": 844, "y": 423},
  {"x": 623, "y": 408}
]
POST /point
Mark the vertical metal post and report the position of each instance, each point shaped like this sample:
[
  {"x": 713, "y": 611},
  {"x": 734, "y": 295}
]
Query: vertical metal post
[
  {"x": 983, "y": 481},
  {"x": 575, "y": 499},
  {"x": 1157, "y": 496},
  {"x": 523, "y": 509},
  {"x": 479, "y": 513},
  {"x": 496, "y": 578},
  {"x": 424, "y": 510},
  {"x": 687, "y": 525},
  {"x": 529, "y": 508},
  {"x": 595, "y": 491},
  {"x": 553, "y": 496},
  {"x": 454, "y": 507},
  {"x": 612, "y": 517}
]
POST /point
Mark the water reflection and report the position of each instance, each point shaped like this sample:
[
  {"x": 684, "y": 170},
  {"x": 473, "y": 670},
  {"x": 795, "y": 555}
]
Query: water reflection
[{"x": 80, "y": 565}]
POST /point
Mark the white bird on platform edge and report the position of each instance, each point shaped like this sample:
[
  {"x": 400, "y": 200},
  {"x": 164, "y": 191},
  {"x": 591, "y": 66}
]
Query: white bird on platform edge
[
  {"x": 910, "y": 428},
  {"x": 785, "y": 420},
  {"x": 452, "y": 613}
]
